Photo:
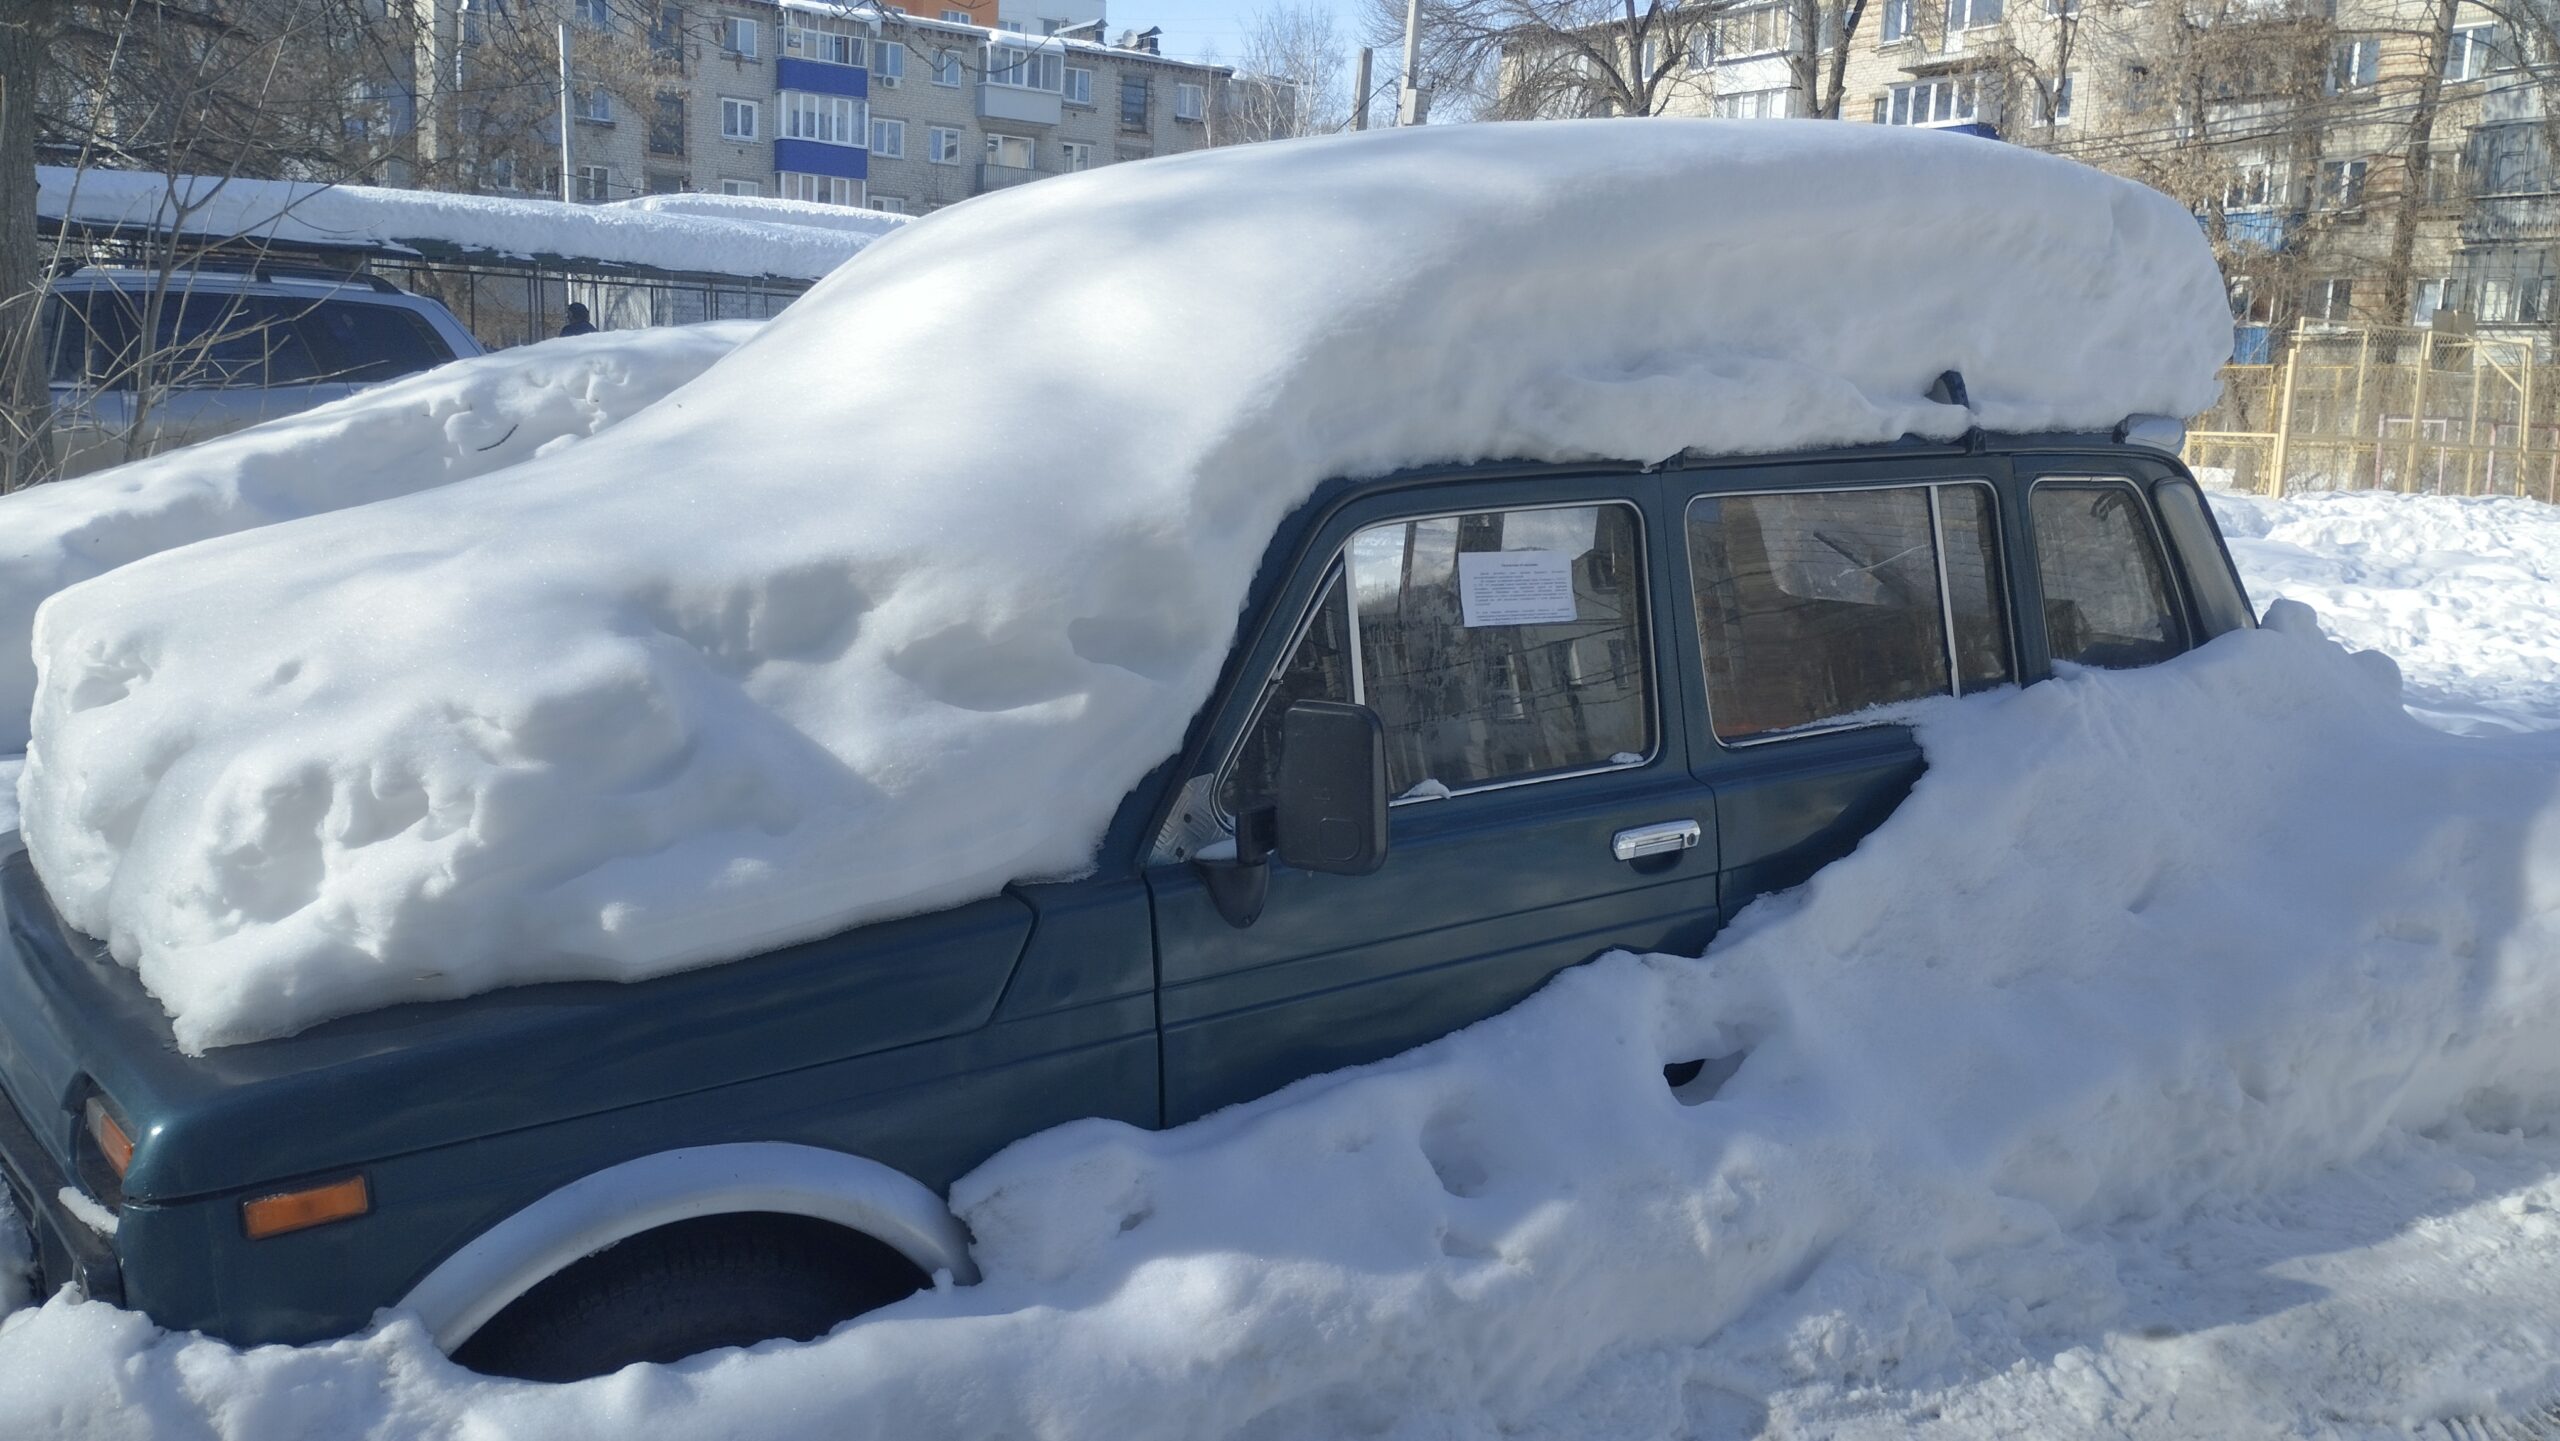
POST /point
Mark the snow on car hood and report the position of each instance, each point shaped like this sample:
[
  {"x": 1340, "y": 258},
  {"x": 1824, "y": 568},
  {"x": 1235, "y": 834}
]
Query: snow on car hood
[{"x": 894, "y": 605}]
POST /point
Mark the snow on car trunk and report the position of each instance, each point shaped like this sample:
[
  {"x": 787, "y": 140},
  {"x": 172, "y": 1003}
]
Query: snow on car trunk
[
  {"x": 467, "y": 418},
  {"x": 2136, "y": 941},
  {"x": 808, "y": 643}
]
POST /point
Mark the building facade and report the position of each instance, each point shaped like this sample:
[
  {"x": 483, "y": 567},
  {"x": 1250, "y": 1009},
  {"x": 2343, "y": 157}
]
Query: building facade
[{"x": 816, "y": 101}]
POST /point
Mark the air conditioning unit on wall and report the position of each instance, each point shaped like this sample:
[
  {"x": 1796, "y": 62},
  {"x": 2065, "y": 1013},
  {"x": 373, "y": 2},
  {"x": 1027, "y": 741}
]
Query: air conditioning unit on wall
[{"x": 887, "y": 82}]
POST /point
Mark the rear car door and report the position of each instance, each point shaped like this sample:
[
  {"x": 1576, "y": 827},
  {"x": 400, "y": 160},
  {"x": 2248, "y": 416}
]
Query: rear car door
[
  {"x": 1814, "y": 594},
  {"x": 1508, "y": 636}
]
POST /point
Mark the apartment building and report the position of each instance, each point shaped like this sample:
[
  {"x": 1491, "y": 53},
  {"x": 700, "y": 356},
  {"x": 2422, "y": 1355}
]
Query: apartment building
[{"x": 840, "y": 104}]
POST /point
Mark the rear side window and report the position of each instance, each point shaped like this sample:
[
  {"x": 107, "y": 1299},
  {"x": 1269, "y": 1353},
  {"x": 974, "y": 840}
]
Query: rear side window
[
  {"x": 363, "y": 343},
  {"x": 2221, "y": 605},
  {"x": 1495, "y": 647},
  {"x": 1816, "y": 606},
  {"x": 2107, "y": 600}
]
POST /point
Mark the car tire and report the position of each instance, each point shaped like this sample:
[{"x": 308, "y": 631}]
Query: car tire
[{"x": 686, "y": 1288}]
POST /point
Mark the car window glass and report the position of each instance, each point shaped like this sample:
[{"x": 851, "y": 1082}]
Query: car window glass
[
  {"x": 97, "y": 345},
  {"x": 2106, "y": 594},
  {"x": 222, "y": 341},
  {"x": 2221, "y": 605},
  {"x": 1494, "y": 647},
  {"x": 1319, "y": 668},
  {"x": 362, "y": 343},
  {"x": 1503, "y": 644},
  {"x": 1815, "y": 606}
]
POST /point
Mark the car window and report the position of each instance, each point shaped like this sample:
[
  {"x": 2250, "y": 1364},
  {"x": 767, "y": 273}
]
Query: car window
[
  {"x": 218, "y": 341},
  {"x": 362, "y": 343},
  {"x": 1495, "y": 647},
  {"x": 1816, "y": 606},
  {"x": 2107, "y": 600},
  {"x": 2221, "y": 605},
  {"x": 96, "y": 344}
]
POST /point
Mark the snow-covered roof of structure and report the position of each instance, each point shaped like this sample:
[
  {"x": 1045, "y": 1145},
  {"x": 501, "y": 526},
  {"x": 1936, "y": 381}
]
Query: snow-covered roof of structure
[
  {"x": 790, "y": 650},
  {"x": 694, "y": 234}
]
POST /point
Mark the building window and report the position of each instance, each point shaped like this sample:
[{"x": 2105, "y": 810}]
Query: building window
[
  {"x": 2342, "y": 184},
  {"x": 595, "y": 106},
  {"x": 1190, "y": 102},
  {"x": 894, "y": 204},
  {"x": 1897, "y": 20},
  {"x": 666, "y": 126},
  {"x": 888, "y": 62},
  {"x": 1133, "y": 102},
  {"x": 595, "y": 183},
  {"x": 1928, "y": 102},
  {"x": 1079, "y": 85},
  {"x": 823, "y": 189},
  {"x": 2334, "y": 299},
  {"x": 738, "y": 36},
  {"x": 739, "y": 119},
  {"x": 946, "y": 67},
  {"x": 1075, "y": 155},
  {"x": 1760, "y": 31},
  {"x": 2471, "y": 52},
  {"x": 2062, "y": 7},
  {"x": 827, "y": 119},
  {"x": 2058, "y": 107},
  {"x": 1023, "y": 68},
  {"x": 1012, "y": 151},
  {"x": 824, "y": 46},
  {"x": 1972, "y": 14},
  {"x": 2354, "y": 64},
  {"x": 942, "y": 146},
  {"x": 889, "y": 139},
  {"x": 2253, "y": 186},
  {"x": 1752, "y": 105},
  {"x": 740, "y": 187},
  {"x": 2443, "y": 292},
  {"x": 959, "y": 17},
  {"x": 665, "y": 182},
  {"x": 596, "y": 12}
]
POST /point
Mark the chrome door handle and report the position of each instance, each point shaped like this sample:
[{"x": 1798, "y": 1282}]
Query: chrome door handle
[{"x": 1658, "y": 839}]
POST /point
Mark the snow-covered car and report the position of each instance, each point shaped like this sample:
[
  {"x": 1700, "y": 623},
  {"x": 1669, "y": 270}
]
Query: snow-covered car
[
  {"x": 230, "y": 348},
  {"x": 1469, "y": 600}
]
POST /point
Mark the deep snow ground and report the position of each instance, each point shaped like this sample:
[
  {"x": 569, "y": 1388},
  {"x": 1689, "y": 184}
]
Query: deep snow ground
[{"x": 2265, "y": 1150}]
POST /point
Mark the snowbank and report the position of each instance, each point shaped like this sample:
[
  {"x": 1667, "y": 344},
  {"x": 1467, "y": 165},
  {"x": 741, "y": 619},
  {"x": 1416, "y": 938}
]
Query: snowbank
[
  {"x": 769, "y": 209},
  {"x": 793, "y": 650},
  {"x": 2464, "y": 593},
  {"x": 725, "y": 240},
  {"x": 457, "y": 421},
  {"x": 2094, "y": 972}
]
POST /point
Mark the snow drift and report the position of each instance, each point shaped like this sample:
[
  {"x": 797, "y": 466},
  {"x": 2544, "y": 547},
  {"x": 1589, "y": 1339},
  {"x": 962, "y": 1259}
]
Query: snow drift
[
  {"x": 802, "y": 646},
  {"x": 2136, "y": 941},
  {"x": 467, "y": 418}
]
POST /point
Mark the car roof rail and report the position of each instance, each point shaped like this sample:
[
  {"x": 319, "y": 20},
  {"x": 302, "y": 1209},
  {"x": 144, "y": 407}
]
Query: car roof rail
[{"x": 259, "y": 267}]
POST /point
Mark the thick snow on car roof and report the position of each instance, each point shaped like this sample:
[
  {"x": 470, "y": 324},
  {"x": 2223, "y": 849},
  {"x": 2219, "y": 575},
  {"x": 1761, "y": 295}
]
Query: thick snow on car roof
[{"x": 893, "y": 605}]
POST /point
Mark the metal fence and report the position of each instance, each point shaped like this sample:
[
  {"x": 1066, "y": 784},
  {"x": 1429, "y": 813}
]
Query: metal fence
[{"x": 2386, "y": 409}]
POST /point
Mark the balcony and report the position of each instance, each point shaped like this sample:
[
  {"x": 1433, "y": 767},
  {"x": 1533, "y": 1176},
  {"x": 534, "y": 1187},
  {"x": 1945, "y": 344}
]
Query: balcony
[
  {"x": 1020, "y": 105},
  {"x": 992, "y": 176}
]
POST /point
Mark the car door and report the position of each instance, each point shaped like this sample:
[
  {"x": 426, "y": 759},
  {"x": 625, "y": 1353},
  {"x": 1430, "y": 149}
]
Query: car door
[
  {"x": 1543, "y": 810},
  {"x": 1815, "y": 594}
]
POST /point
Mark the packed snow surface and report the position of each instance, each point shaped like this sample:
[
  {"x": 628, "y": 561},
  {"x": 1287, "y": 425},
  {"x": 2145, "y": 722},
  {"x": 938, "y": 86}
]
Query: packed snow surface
[
  {"x": 723, "y": 240},
  {"x": 2464, "y": 592},
  {"x": 467, "y": 418},
  {"x": 2039, "y": 1095},
  {"x": 790, "y": 650}
]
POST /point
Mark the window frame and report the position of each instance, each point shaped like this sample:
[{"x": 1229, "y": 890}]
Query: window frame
[
  {"x": 2181, "y": 607},
  {"x": 732, "y": 27},
  {"x": 753, "y": 110},
  {"x": 1338, "y": 566},
  {"x": 2006, "y": 590}
]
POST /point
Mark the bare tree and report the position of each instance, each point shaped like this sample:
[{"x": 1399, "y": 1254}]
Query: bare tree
[
  {"x": 1525, "y": 59},
  {"x": 1290, "y": 80}
]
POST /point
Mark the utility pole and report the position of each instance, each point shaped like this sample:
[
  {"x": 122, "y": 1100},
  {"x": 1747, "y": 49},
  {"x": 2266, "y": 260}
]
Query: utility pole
[
  {"x": 568, "y": 177},
  {"x": 1412, "y": 102},
  {"x": 1360, "y": 90}
]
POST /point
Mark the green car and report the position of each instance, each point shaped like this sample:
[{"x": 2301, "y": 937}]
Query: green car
[{"x": 1478, "y": 725}]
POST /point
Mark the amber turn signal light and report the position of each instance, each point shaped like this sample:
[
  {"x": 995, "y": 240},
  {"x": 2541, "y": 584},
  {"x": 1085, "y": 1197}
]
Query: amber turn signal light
[
  {"x": 264, "y": 1216},
  {"x": 113, "y": 1143}
]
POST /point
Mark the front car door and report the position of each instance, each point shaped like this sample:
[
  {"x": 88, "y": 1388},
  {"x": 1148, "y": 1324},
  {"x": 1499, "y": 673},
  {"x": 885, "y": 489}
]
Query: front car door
[{"x": 1509, "y": 636}]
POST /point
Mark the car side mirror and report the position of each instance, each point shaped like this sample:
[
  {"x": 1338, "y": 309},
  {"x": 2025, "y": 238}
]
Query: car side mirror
[{"x": 1332, "y": 798}]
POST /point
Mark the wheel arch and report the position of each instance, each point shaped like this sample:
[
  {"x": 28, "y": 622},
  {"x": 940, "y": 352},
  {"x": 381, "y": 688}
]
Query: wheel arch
[{"x": 501, "y": 1264}]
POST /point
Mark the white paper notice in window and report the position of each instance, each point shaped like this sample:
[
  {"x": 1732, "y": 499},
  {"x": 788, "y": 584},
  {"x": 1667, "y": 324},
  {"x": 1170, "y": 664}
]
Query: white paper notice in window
[{"x": 1516, "y": 587}]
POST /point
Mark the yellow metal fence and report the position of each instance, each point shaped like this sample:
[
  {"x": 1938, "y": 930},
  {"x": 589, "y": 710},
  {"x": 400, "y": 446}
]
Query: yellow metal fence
[{"x": 2408, "y": 410}]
